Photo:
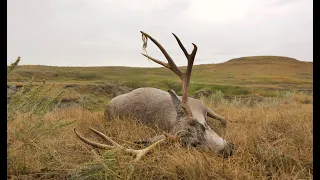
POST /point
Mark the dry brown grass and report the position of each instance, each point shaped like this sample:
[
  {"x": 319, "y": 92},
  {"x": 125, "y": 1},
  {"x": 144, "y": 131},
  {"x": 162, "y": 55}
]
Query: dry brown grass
[{"x": 274, "y": 139}]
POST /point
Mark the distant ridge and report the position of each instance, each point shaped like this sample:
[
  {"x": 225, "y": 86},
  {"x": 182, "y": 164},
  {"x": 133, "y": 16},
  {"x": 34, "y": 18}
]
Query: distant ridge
[
  {"x": 258, "y": 73},
  {"x": 264, "y": 59},
  {"x": 243, "y": 60}
]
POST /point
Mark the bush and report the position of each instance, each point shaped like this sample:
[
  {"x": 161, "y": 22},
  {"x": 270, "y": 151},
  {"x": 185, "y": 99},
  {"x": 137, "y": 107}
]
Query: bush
[{"x": 31, "y": 99}]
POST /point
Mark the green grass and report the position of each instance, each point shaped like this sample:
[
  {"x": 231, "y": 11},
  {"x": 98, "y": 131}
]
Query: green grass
[{"x": 236, "y": 76}]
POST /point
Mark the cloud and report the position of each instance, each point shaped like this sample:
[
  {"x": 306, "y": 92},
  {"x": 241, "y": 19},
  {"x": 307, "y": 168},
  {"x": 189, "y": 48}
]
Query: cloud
[{"x": 106, "y": 32}]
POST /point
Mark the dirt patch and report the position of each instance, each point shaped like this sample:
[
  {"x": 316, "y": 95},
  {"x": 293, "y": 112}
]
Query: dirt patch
[
  {"x": 84, "y": 94},
  {"x": 91, "y": 94},
  {"x": 67, "y": 102},
  {"x": 252, "y": 100},
  {"x": 111, "y": 90},
  {"x": 307, "y": 91},
  {"x": 12, "y": 89},
  {"x": 204, "y": 93},
  {"x": 107, "y": 89},
  {"x": 71, "y": 86}
]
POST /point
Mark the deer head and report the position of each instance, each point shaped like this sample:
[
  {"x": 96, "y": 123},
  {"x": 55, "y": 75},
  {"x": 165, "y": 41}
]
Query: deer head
[{"x": 191, "y": 129}]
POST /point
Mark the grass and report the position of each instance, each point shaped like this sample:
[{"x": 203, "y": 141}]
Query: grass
[
  {"x": 32, "y": 99},
  {"x": 273, "y": 138},
  {"x": 270, "y": 126},
  {"x": 236, "y": 76}
]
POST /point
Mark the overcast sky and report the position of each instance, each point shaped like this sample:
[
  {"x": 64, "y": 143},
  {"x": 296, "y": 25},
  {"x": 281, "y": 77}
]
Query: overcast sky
[{"x": 107, "y": 32}]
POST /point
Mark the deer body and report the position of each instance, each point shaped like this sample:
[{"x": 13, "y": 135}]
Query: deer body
[
  {"x": 151, "y": 106},
  {"x": 156, "y": 108}
]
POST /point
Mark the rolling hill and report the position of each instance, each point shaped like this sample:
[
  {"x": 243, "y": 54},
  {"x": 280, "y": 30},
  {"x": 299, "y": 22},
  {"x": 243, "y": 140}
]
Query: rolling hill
[{"x": 236, "y": 76}]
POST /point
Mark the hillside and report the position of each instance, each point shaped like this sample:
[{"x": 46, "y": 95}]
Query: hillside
[{"x": 259, "y": 72}]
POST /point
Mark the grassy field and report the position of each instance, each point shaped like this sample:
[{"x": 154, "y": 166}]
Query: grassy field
[
  {"x": 273, "y": 135},
  {"x": 237, "y": 76}
]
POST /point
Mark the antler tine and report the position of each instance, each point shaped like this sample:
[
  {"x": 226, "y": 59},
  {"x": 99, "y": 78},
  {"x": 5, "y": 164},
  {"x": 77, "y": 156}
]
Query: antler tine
[
  {"x": 190, "y": 57},
  {"x": 159, "y": 62},
  {"x": 181, "y": 46},
  {"x": 92, "y": 143},
  {"x": 138, "y": 153},
  {"x": 171, "y": 65},
  {"x": 103, "y": 136}
]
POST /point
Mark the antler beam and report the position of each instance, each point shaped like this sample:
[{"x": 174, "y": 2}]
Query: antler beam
[{"x": 138, "y": 153}]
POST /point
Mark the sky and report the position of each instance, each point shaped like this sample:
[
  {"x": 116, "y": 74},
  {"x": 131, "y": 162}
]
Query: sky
[{"x": 107, "y": 32}]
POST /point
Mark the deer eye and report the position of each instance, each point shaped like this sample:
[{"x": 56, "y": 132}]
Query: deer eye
[
  {"x": 192, "y": 122},
  {"x": 203, "y": 128}
]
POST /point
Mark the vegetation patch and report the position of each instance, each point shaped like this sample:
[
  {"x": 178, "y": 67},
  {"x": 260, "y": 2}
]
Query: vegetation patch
[{"x": 272, "y": 129}]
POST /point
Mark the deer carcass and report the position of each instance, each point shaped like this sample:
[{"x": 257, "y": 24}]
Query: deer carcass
[{"x": 183, "y": 117}]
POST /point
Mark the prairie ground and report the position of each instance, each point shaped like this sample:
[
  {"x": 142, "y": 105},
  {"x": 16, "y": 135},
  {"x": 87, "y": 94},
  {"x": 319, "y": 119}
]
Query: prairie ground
[
  {"x": 273, "y": 139},
  {"x": 266, "y": 101}
]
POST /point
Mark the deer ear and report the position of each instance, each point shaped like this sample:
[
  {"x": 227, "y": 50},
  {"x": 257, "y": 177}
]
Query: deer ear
[{"x": 176, "y": 102}]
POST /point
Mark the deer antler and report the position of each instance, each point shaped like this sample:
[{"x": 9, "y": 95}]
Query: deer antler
[
  {"x": 138, "y": 153},
  {"x": 184, "y": 76}
]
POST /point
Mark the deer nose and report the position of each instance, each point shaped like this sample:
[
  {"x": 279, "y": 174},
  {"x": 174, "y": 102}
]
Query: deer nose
[
  {"x": 228, "y": 150},
  {"x": 231, "y": 145}
]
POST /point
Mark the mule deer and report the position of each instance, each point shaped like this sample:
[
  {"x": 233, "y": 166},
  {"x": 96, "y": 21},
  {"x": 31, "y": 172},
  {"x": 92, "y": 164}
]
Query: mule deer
[{"x": 184, "y": 117}]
